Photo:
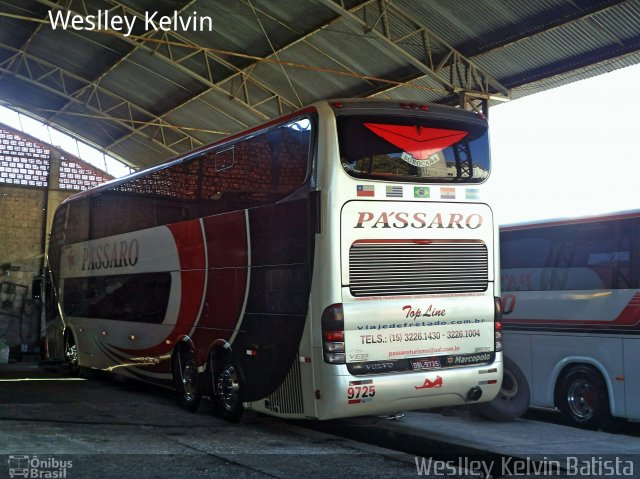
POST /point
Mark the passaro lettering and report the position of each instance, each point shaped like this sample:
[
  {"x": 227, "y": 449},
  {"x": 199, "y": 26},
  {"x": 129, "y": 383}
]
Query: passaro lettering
[
  {"x": 111, "y": 255},
  {"x": 419, "y": 220}
]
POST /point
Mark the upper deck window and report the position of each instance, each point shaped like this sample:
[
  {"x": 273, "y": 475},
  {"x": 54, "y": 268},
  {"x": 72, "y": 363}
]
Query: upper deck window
[{"x": 413, "y": 149}]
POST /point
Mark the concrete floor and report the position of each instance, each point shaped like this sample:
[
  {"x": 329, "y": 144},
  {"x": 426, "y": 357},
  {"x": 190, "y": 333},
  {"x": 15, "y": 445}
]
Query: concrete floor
[
  {"x": 110, "y": 428},
  {"x": 130, "y": 430}
]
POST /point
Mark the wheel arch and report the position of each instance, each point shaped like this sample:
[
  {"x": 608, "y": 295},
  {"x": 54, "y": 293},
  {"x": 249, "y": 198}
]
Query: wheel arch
[
  {"x": 216, "y": 348},
  {"x": 563, "y": 366},
  {"x": 69, "y": 330},
  {"x": 181, "y": 342}
]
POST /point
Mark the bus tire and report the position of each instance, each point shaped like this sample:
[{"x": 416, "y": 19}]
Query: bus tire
[
  {"x": 185, "y": 378},
  {"x": 582, "y": 397},
  {"x": 227, "y": 391},
  {"x": 70, "y": 366},
  {"x": 513, "y": 398}
]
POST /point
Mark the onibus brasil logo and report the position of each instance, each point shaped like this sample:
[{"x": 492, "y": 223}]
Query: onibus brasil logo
[{"x": 34, "y": 467}]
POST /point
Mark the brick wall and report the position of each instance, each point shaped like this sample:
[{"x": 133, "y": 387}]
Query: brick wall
[
  {"x": 34, "y": 179},
  {"x": 21, "y": 219}
]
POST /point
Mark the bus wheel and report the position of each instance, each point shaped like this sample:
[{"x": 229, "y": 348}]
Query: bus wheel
[
  {"x": 226, "y": 389},
  {"x": 185, "y": 378},
  {"x": 582, "y": 398},
  {"x": 71, "y": 355},
  {"x": 513, "y": 398}
]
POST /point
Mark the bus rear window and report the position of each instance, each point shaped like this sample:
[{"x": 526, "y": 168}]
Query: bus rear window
[{"x": 413, "y": 149}]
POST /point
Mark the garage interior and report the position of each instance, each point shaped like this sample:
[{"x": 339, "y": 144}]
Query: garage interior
[{"x": 146, "y": 97}]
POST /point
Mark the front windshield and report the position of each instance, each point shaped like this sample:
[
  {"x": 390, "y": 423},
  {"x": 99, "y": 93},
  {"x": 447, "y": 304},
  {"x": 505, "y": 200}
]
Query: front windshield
[{"x": 413, "y": 149}]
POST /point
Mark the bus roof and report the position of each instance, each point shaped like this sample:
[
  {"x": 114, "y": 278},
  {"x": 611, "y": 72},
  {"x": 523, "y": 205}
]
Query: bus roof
[{"x": 349, "y": 105}]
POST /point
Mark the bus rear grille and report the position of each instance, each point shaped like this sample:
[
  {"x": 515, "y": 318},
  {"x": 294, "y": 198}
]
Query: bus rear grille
[
  {"x": 429, "y": 267},
  {"x": 287, "y": 399}
]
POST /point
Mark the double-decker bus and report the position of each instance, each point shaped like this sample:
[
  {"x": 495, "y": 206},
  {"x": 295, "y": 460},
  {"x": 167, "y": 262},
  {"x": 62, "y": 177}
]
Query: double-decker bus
[
  {"x": 571, "y": 298},
  {"x": 335, "y": 262}
]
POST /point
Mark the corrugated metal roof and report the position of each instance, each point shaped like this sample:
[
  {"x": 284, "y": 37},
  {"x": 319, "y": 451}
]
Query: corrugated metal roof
[{"x": 149, "y": 98}]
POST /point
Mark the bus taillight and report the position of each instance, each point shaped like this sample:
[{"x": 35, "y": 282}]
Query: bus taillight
[
  {"x": 333, "y": 334},
  {"x": 498, "y": 336},
  {"x": 497, "y": 321}
]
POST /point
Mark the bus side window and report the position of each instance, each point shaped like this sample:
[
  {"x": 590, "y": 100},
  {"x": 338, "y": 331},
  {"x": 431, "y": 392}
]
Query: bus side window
[
  {"x": 78, "y": 221},
  {"x": 224, "y": 159},
  {"x": 256, "y": 171},
  {"x": 292, "y": 158},
  {"x": 234, "y": 178},
  {"x": 629, "y": 238},
  {"x": 134, "y": 212},
  {"x": 525, "y": 261}
]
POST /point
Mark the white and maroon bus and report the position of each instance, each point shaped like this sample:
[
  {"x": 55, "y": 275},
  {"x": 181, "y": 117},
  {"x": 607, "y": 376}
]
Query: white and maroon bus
[
  {"x": 571, "y": 297},
  {"x": 335, "y": 262}
]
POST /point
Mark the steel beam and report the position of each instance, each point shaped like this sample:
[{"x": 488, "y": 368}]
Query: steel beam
[
  {"x": 173, "y": 58},
  {"x": 236, "y": 83},
  {"x": 556, "y": 23},
  {"x": 435, "y": 57},
  {"x": 98, "y": 100},
  {"x": 476, "y": 103}
]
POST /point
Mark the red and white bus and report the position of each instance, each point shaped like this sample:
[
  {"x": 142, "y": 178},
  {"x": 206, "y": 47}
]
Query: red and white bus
[
  {"x": 335, "y": 262},
  {"x": 571, "y": 297}
]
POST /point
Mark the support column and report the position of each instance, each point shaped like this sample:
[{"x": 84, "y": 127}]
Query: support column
[{"x": 50, "y": 204}]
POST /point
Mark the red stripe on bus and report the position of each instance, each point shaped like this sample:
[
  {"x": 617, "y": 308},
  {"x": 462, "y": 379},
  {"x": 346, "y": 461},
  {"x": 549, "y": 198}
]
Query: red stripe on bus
[
  {"x": 191, "y": 253},
  {"x": 572, "y": 221},
  {"x": 227, "y": 247},
  {"x": 629, "y": 316}
]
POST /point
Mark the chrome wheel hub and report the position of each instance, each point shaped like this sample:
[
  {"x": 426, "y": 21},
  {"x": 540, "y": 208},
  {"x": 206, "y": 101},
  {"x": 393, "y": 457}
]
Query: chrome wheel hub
[
  {"x": 581, "y": 399},
  {"x": 228, "y": 388}
]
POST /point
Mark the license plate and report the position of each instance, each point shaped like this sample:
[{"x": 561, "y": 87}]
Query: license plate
[{"x": 426, "y": 363}]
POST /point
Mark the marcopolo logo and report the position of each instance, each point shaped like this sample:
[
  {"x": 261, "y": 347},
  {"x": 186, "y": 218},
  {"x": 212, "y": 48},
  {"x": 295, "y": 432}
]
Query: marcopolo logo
[
  {"x": 35, "y": 467},
  {"x": 471, "y": 358}
]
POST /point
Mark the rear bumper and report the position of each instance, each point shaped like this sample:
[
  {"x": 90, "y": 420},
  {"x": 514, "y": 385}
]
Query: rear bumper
[{"x": 346, "y": 395}]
